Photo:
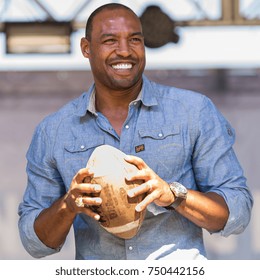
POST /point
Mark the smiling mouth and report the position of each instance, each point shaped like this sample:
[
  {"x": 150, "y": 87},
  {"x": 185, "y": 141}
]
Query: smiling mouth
[{"x": 122, "y": 66}]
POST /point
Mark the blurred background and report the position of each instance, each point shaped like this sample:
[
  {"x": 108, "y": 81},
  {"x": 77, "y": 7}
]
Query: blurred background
[{"x": 208, "y": 46}]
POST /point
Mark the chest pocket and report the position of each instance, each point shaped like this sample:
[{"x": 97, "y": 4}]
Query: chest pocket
[
  {"x": 159, "y": 133},
  {"x": 164, "y": 151},
  {"x": 77, "y": 153}
]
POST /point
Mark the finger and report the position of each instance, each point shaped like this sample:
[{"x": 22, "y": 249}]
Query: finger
[
  {"x": 82, "y": 174},
  {"x": 146, "y": 201},
  {"x": 137, "y": 175},
  {"x": 84, "y": 205},
  {"x": 138, "y": 162},
  {"x": 91, "y": 214},
  {"x": 143, "y": 188},
  {"x": 91, "y": 201},
  {"x": 89, "y": 188}
]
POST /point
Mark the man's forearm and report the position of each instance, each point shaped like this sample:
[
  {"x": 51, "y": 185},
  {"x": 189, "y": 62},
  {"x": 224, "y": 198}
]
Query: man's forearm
[
  {"x": 207, "y": 210},
  {"x": 53, "y": 224}
]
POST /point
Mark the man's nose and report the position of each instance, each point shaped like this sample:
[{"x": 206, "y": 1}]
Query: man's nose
[{"x": 123, "y": 48}]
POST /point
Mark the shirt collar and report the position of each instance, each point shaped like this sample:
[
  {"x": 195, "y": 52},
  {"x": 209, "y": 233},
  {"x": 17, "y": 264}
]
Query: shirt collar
[
  {"x": 148, "y": 93},
  {"x": 86, "y": 102},
  {"x": 87, "y": 99},
  {"x": 92, "y": 102}
]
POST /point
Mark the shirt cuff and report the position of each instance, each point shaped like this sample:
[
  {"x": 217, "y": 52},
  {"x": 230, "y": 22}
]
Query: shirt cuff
[
  {"x": 237, "y": 215},
  {"x": 33, "y": 245}
]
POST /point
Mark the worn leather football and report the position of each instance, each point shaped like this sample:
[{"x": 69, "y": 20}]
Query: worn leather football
[{"x": 117, "y": 211}]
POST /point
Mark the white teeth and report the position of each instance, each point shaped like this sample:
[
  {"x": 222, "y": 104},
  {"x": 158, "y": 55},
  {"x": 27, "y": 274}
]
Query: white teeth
[{"x": 122, "y": 66}]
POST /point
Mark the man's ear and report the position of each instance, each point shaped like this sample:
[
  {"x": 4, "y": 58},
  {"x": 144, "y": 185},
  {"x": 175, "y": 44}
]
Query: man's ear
[{"x": 84, "y": 44}]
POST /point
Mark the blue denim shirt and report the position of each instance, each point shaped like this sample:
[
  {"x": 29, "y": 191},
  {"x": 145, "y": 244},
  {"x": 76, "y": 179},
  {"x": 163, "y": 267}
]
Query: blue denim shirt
[{"x": 185, "y": 139}]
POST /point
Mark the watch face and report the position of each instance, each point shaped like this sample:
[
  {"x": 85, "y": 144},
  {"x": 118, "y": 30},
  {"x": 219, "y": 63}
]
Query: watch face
[{"x": 179, "y": 190}]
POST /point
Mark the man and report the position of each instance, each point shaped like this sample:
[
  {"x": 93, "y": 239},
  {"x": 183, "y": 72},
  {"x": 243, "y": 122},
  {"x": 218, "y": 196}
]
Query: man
[{"x": 192, "y": 178}]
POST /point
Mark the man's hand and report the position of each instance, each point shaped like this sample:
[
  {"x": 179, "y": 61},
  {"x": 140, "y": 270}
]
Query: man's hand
[
  {"x": 156, "y": 188},
  {"x": 53, "y": 224},
  {"x": 82, "y": 194}
]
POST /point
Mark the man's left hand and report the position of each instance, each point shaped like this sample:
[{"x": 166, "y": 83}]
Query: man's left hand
[{"x": 156, "y": 188}]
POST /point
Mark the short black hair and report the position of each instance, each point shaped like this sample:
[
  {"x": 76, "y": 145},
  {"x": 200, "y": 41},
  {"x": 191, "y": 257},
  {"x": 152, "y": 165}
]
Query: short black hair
[{"x": 110, "y": 6}]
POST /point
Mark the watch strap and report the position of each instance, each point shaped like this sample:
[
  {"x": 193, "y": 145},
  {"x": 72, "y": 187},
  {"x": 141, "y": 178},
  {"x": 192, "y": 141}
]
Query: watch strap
[{"x": 175, "y": 204}]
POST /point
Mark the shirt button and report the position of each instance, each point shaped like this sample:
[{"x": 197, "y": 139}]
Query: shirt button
[
  {"x": 130, "y": 248},
  {"x": 127, "y": 126},
  {"x": 160, "y": 135},
  {"x": 82, "y": 147},
  {"x": 230, "y": 133}
]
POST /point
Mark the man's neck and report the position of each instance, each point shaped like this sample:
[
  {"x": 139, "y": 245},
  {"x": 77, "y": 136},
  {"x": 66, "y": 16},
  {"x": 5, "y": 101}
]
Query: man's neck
[
  {"x": 107, "y": 99},
  {"x": 114, "y": 105}
]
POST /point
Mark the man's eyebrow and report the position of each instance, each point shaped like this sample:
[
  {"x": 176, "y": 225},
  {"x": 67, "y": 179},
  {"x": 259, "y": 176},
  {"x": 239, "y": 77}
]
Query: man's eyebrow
[
  {"x": 114, "y": 35},
  {"x": 107, "y": 35},
  {"x": 137, "y": 34}
]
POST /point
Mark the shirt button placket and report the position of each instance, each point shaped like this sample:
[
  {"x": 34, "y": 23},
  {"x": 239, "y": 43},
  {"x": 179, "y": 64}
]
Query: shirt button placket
[
  {"x": 125, "y": 138},
  {"x": 130, "y": 249}
]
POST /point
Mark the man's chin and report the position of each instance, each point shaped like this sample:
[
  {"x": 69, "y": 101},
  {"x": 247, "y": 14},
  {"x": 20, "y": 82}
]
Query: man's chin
[{"x": 125, "y": 82}]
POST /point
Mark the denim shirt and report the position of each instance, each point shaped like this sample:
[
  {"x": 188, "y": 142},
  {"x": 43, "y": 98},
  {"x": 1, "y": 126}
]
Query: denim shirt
[{"x": 183, "y": 137}]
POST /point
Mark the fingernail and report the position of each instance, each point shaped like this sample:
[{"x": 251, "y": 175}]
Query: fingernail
[
  {"x": 97, "y": 188},
  {"x": 96, "y": 217},
  {"x": 130, "y": 193},
  {"x": 98, "y": 200},
  {"x": 128, "y": 177},
  {"x": 138, "y": 208},
  {"x": 90, "y": 170}
]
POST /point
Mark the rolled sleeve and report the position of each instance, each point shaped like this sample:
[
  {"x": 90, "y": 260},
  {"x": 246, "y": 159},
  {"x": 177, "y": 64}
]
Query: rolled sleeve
[
  {"x": 217, "y": 168},
  {"x": 30, "y": 240},
  {"x": 240, "y": 204},
  {"x": 43, "y": 188}
]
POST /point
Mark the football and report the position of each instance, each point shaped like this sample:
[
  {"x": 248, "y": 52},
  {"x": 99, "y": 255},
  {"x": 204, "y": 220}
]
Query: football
[{"x": 117, "y": 211}]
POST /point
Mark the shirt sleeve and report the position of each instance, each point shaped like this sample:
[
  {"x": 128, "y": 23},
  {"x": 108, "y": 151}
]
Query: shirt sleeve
[
  {"x": 217, "y": 168},
  {"x": 43, "y": 188}
]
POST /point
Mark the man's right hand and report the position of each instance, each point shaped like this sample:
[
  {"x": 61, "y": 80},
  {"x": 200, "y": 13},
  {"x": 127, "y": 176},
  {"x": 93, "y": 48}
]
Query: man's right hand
[{"x": 82, "y": 194}]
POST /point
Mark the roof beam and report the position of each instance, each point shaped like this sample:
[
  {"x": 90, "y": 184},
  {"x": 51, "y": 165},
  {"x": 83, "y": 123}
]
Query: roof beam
[{"x": 47, "y": 11}]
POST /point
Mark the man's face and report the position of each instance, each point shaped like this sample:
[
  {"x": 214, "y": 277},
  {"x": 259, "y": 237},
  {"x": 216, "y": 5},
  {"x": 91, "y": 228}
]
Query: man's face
[{"x": 116, "y": 50}]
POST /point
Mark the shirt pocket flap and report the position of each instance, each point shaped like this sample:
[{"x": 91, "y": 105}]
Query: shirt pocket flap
[
  {"x": 159, "y": 132},
  {"x": 81, "y": 145}
]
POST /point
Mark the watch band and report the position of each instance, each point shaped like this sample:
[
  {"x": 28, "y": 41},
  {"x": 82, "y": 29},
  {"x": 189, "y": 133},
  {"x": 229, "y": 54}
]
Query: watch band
[{"x": 175, "y": 204}]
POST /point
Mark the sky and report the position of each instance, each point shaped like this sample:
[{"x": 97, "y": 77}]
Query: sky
[{"x": 199, "y": 47}]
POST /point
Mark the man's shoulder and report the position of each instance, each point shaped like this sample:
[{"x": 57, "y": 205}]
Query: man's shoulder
[
  {"x": 177, "y": 94},
  {"x": 67, "y": 111}
]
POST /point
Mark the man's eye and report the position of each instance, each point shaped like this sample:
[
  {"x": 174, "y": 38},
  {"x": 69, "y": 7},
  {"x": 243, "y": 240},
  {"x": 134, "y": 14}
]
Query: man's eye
[
  {"x": 135, "y": 39},
  {"x": 109, "y": 41}
]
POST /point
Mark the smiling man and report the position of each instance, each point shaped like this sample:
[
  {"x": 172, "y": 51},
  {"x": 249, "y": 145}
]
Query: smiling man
[
  {"x": 114, "y": 45},
  {"x": 115, "y": 49},
  {"x": 179, "y": 142}
]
